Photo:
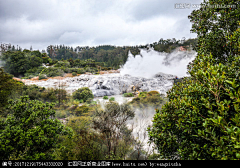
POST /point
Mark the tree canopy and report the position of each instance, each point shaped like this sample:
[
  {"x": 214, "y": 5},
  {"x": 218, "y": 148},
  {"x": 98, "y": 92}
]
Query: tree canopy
[
  {"x": 30, "y": 131},
  {"x": 201, "y": 119}
]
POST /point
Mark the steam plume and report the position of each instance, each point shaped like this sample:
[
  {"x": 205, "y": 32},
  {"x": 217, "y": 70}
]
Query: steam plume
[{"x": 150, "y": 62}]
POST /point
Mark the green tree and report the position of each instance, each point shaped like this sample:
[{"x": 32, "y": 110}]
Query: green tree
[
  {"x": 15, "y": 62},
  {"x": 8, "y": 88},
  {"x": 213, "y": 26},
  {"x": 111, "y": 123},
  {"x": 30, "y": 131},
  {"x": 83, "y": 93},
  {"x": 201, "y": 119},
  {"x": 86, "y": 144}
]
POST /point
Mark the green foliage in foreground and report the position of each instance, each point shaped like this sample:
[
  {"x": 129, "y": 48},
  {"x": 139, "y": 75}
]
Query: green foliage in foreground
[
  {"x": 112, "y": 124},
  {"x": 30, "y": 131},
  {"x": 83, "y": 93},
  {"x": 202, "y": 118},
  {"x": 98, "y": 134}
]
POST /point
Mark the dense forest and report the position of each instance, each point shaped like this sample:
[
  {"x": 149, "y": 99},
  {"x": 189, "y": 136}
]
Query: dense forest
[
  {"x": 28, "y": 63},
  {"x": 198, "y": 120}
]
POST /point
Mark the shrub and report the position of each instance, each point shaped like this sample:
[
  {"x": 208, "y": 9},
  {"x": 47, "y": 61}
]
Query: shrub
[
  {"x": 91, "y": 69},
  {"x": 42, "y": 76},
  {"x": 112, "y": 124},
  {"x": 74, "y": 74},
  {"x": 142, "y": 94},
  {"x": 66, "y": 70},
  {"x": 105, "y": 97},
  {"x": 35, "y": 120},
  {"x": 153, "y": 93},
  {"x": 52, "y": 71},
  {"x": 61, "y": 114},
  {"x": 128, "y": 95},
  {"x": 83, "y": 93},
  {"x": 112, "y": 99},
  {"x": 73, "y": 70},
  {"x": 81, "y": 110},
  {"x": 33, "y": 92},
  {"x": 201, "y": 119},
  {"x": 80, "y": 71},
  {"x": 89, "y": 101},
  {"x": 65, "y": 64}
]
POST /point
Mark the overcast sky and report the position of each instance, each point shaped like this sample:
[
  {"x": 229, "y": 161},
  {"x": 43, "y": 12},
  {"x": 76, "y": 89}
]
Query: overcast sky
[{"x": 40, "y": 23}]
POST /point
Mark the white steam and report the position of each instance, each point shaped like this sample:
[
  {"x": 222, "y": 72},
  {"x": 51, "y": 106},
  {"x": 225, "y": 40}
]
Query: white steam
[{"x": 150, "y": 62}]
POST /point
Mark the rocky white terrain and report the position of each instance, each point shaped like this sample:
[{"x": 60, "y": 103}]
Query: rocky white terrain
[{"x": 109, "y": 84}]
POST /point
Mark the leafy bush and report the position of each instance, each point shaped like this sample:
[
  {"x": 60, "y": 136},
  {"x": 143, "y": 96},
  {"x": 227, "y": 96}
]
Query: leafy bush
[
  {"x": 80, "y": 71},
  {"x": 128, "y": 95},
  {"x": 83, "y": 93},
  {"x": 201, "y": 119},
  {"x": 73, "y": 70},
  {"x": 32, "y": 119},
  {"x": 86, "y": 143},
  {"x": 91, "y": 69},
  {"x": 42, "y": 76},
  {"x": 142, "y": 94},
  {"x": 89, "y": 100},
  {"x": 105, "y": 97},
  {"x": 9, "y": 88},
  {"x": 65, "y": 64},
  {"x": 61, "y": 114},
  {"x": 112, "y": 124},
  {"x": 74, "y": 74},
  {"x": 52, "y": 71},
  {"x": 17, "y": 62},
  {"x": 33, "y": 92},
  {"x": 202, "y": 113},
  {"x": 81, "y": 110},
  {"x": 112, "y": 99},
  {"x": 144, "y": 100}
]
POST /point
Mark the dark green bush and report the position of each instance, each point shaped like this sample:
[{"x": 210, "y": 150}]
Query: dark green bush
[
  {"x": 83, "y": 93},
  {"x": 74, "y": 74},
  {"x": 52, "y": 71},
  {"x": 105, "y": 97},
  {"x": 73, "y": 70},
  {"x": 201, "y": 121},
  {"x": 112, "y": 99},
  {"x": 65, "y": 64},
  {"x": 91, "y": 69},
  {"x": 80, "y": 71}
]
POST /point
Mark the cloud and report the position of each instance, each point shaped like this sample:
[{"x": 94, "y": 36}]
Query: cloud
[{"x": 81, "y": 22}]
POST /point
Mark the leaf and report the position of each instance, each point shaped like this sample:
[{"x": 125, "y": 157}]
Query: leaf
[{"x": 236, "y": 146}]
